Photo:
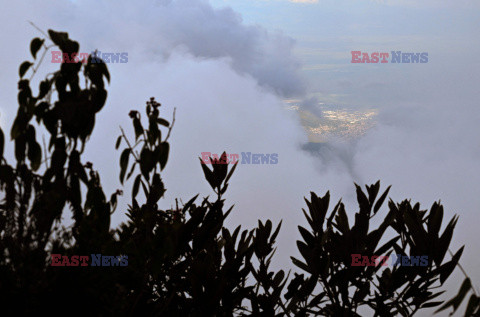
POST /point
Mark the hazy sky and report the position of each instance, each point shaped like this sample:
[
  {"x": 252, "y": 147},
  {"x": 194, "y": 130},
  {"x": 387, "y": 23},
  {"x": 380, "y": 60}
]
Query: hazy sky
[{"x": 227, "y": 66}]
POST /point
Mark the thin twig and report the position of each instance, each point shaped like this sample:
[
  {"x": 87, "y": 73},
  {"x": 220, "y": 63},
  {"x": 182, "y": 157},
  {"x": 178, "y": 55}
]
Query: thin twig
[
  {"x": 40, "y": 61},
  {"x": 44, "y": 52},
  {"x": 45, "y": 151},
  {"x": 40, "y": 30},
  {"x": 171, "y": 126},
  {"x": 463, "y": 271},
  {"x": 128, "y": 143}
]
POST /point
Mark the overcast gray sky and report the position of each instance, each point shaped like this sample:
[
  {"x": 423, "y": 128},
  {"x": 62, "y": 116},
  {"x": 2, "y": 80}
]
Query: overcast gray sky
[{"x": 228, "y": 65}]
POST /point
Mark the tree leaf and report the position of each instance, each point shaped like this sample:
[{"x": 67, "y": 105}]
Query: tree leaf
[
  {"x": 20, "y": 146},
  {"x": 104, "y": 71},
  {"x": 35, "y": 45},
  {"x": 363, "y": 201},
  {"x": 447, "y": 268},
  {"x": 124, "y": 163},
  {"x": 307, "y": 236},
  {"x": 444, "y": 241},
  {"x": 231, "y": 172},
  {"x": 23, "y": 68},
  {"x": 457, "y": 300},
  {"x": 380, "y": 201},
  {"x": 435, "y": 219},
  {"x": 431, "y": 304},
  {"x": 473, "y": 305},
  {"x": 58, "y": 38},
  {"x": 165, "y": 149},
  {"x": 147, "y": 162},
  {"x": 137, "y": 125},
  {"x": 300, "y": 264},
  {"x": 208, "y": 174},
  {"x": 278, "y": 278},
  {"x": 342, "y": 220},
  {"x": 136, "y": 185},
  {"x": 188, "y": 204},
  {"x": 131, "y": 170},
  {"x": 163, "y": 122},
  {"x": 2, "y": 142},
  {"x": 34, "y": 154},
  {"x": 119, "y": 141},
  {"x": 45, "y": 86}
]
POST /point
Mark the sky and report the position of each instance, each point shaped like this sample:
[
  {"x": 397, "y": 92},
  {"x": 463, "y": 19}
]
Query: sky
[{"x": 228, "y": 65}]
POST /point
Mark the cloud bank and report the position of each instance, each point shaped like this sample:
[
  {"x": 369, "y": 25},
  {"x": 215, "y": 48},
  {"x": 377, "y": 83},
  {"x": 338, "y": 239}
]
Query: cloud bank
[{"x": 227, "y": 81}]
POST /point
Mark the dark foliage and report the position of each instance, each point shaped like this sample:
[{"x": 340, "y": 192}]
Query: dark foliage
[
  {"x": 473, "y": 305},
  {"x": 182, "y": 261},
  {"x": 400, "y": 290}
]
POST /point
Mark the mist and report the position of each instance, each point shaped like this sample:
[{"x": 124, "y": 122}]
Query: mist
[{"x": 228, "y": 80}]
